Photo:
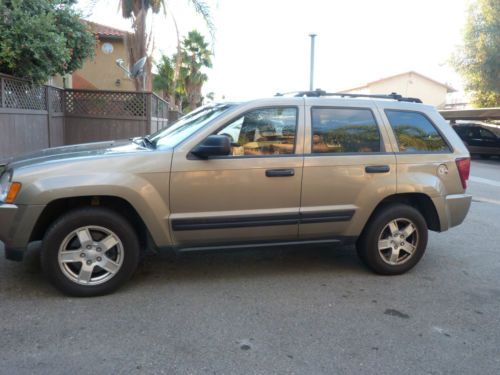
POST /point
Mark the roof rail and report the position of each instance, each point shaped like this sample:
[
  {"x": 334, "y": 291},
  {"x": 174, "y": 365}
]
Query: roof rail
[{"x": 318, "y": 93}]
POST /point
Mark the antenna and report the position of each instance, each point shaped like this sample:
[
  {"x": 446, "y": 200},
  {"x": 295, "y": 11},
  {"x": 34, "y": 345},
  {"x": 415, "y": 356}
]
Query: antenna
[
  {"x": 121, "y": 65},
  {"x": 137, "y": 69}
]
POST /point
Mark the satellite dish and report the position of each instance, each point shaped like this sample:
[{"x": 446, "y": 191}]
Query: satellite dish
[{"x": 138, "y": 68}]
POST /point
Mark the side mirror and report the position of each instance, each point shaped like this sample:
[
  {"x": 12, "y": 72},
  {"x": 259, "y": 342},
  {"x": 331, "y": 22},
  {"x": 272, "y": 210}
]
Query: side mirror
[{"x": 213, "y": 145}]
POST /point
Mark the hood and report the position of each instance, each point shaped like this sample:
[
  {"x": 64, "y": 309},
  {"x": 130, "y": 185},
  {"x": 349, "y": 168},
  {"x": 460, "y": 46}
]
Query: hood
[{"x": 67, "y": 153}]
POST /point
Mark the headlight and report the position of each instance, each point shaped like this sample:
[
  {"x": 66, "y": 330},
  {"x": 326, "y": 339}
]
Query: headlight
[{"x": 8, "y": 189}]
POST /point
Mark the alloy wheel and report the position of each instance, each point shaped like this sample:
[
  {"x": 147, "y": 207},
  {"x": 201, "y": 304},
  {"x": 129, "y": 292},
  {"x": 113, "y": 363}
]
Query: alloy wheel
[
  {"x": 398, "y": 241},
  {"x": 91, "y": 255}
]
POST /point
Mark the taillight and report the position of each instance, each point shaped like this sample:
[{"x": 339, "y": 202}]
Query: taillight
[{"x": 463, "y": 166}]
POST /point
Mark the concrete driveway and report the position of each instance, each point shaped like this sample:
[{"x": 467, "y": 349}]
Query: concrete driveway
[{"x": 274, "y": 311}]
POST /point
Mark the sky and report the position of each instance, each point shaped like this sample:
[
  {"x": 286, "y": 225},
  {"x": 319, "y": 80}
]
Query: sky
[{"x": 262, "y": 47}]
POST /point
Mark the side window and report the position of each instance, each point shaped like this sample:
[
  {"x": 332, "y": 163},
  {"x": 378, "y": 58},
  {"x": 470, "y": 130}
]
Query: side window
[
  {"x": 344, "y": 130},
  {"x": 415, "y": 132},
  {"x": 486, "y": 134},
  {"x": 472, "y": 133},
  {"x": 265, "y": 131}
]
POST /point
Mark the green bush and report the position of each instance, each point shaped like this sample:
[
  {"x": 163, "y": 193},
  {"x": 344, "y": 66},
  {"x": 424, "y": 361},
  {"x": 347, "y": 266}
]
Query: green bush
[
  {"x": 478, "y": 60},
  {"x": 42, "y": 38}
]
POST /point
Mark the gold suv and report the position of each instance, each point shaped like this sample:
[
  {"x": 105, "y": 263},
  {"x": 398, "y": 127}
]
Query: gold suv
[{"x": 376, "y": 171}]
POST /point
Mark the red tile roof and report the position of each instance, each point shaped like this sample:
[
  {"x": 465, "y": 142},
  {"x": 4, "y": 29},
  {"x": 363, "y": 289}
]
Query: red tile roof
[{"x": 103, "y": 30}]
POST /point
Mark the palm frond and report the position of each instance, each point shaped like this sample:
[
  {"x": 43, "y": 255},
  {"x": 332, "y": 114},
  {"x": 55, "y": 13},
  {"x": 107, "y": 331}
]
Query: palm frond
[
  {"x": 127, "y": 8},
  {"x": 203, "y": 9}
]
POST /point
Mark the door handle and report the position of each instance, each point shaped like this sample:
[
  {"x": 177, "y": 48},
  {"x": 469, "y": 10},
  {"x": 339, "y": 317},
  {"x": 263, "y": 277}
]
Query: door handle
[
  {"x": 377, "y": 169},
  {"x": 280, "y": 172}
]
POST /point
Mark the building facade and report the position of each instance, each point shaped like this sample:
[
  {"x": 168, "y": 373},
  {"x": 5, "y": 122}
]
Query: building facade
[
  {"x": 101, "y": 72},
  {"x": 410, "y": 84}
]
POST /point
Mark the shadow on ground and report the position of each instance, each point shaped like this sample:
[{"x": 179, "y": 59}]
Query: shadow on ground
[{"x": 194, "y": 267}]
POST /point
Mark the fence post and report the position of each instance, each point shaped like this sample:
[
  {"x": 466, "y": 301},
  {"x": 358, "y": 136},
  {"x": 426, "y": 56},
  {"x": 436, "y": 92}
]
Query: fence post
[
  {"x": 63, "y": 109},
  {"x": 49, "y": 113},
  {"x": 148, "y": 98},
  {"x": 2, "y": 92}
]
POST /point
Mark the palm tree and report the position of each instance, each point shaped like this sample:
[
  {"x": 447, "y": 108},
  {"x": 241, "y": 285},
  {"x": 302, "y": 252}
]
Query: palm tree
[
  {"x": 211, "y": 96},
  {"x": 182, "y": 82},
  {"x": 196, "y": 55},
  {"x": 166, "y": 81},
  {"x": 139, "y": 41},
  {"x": 194, "y": 83}
]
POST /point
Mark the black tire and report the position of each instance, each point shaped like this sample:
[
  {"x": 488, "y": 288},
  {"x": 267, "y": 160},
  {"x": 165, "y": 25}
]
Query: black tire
[
  {"x": 90, "y": 216},
  {"x": 367, "y": 245}
]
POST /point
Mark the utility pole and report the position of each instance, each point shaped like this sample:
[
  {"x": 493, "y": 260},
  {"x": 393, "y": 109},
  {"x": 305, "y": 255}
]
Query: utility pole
[{"x": 311, "y": 72}]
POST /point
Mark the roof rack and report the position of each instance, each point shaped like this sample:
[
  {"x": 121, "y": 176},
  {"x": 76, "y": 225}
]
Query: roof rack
[{"x": 318, "y": 93}]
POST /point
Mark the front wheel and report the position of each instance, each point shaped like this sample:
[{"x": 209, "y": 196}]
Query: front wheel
[
  {"x": 89, "y": 252},
  {"x": 394, "y": 240}
]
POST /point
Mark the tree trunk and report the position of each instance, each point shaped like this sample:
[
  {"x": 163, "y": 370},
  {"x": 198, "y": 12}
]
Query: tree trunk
[
  {"x": 178, "y": 62},
  {"x": 136, "y": 44},
  {"x": 193, "y": 93}
]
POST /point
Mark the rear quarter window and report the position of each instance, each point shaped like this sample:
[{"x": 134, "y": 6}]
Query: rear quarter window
[{"x": 415, "y": 132}]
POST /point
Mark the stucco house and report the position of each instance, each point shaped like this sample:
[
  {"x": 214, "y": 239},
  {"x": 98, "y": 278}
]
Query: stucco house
[
  {"x": 410, "y": 84},
  {"x": 101, "y": 72}
]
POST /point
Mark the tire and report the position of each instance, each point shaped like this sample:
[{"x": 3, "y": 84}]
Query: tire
[
  {"x": 392, "y": 258},
  {"x": 79, "y": 242}
]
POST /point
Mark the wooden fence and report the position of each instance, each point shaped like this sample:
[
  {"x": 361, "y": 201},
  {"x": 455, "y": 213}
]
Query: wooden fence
[{"x": 35, "y": 117}]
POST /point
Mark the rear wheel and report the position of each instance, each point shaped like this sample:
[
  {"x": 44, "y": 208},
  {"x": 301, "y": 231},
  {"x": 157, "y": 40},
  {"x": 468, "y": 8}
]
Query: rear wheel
[
  {"x": 90, "y": 252},
  {"x": 394, "y": 240}
]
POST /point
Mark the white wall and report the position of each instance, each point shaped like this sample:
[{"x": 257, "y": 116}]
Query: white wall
[{"x": 411, "y": 85}]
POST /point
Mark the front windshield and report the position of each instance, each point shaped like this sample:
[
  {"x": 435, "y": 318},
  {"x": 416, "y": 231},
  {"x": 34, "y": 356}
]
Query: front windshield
[{"x": 187, "y": 125}]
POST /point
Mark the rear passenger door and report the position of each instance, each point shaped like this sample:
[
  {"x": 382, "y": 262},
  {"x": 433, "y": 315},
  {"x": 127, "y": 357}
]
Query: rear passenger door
[
  {"x": 349, "y": 167},
  {"x": 486, "y": 142}
]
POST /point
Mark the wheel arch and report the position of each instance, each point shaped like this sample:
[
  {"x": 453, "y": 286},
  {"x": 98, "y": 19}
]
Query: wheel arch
[
  {"x": 420, "y": 201},
  {"x": 60, "y": 206}
]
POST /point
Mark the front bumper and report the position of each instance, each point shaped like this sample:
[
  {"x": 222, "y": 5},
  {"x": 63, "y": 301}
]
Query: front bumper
[
  {"x": 452, "y": 209},
  {"x": 16, "y": 225}
]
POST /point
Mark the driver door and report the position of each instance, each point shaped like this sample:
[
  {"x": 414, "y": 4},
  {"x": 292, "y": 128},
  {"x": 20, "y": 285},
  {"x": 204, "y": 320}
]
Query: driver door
[{"x": 251, "y": 195}]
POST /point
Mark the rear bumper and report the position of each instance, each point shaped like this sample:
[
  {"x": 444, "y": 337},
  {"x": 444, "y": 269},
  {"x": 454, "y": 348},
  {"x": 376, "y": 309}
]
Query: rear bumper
[
  {"x": 452, "y": 209},
  {"x": 16, "y": 225}
]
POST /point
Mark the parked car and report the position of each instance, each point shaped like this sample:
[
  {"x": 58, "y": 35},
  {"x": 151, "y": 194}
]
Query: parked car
[
  {"x": 307, "y": 169},
  {"x": 480, "y": 139}
]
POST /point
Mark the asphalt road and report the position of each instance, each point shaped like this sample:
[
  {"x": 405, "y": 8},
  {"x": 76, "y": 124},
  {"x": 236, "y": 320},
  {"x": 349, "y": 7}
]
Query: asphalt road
[{"x": 280, "y": 311}]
